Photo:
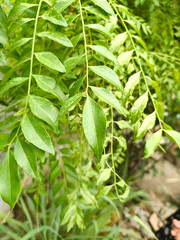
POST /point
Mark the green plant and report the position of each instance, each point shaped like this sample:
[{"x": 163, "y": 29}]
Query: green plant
[{"x": 74, "y": 76}]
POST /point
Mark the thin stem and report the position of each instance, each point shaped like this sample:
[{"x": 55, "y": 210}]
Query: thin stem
[
  {"x": 165, "y": 55},
  {"x": 32, "y": 55},
  {"x": 85, "y": 47}
]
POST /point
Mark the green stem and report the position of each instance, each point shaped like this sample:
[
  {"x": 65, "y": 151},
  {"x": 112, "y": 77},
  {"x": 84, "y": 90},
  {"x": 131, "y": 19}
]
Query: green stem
[{"x": 85, "y": 47}]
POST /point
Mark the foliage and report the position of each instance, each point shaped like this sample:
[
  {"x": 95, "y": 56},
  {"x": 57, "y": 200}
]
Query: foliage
[{"x": 75, "y": 76}]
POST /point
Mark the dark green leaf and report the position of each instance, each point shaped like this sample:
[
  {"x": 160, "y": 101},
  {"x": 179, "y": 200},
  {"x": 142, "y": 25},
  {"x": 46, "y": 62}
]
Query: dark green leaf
[
  {"x": 108, "y": 74},
  {"x": 10, "y": 185},
  {"x": 76, "y": 86},
  {"x": 70, "y": 103},
  {"x": 3, "y": 28},
  {"x": 50, "y": 60},
  {"x": 55, "y": 17},
  {"x": 104, "y": 5},
  {"x": 12, "y": 83},
  {"x": 26, "y": 158},
  {"x": 44, "y": 109},
  {"x": 108, "y": 97},
  {"x": 104, "y": 52},
  {"x": 57, "y": 37},
  {"x": 36, "y": 134},
  {"x": 48, "y": 84},
  {"x": 94, "y": 125}
]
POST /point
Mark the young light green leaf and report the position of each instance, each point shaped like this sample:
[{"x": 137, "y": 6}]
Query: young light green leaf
[
  {"x": 99, "y": 28},
  {"x": 118, "y": 41},
  {"x": 44, "y": 109},
  {"x": 160, "y": 109},
  {"x": 62, "y": 4},
  {"x": 108, "y": 74},
  {"x": 125, "y": 194},
  {"x": 104, "y": 176},
  {"x": 152, "y": 143},
  {"x": 138, "y": 107},
  {"x": 4, "y": 140},
  {"x": 12, "y": 83},
  {"x": 108, "y": 97},
  {"x": 55, "y": 17},
  {"x": 123, "y": 124},
  {"x": 50, "y": 60},
  {"x": 3, "y": 28},
  {"x": 174, "y": 135},
  {"x": 147, "y": 124},
  {"x": 48, "y": 84},
  {"x": 36, "y": 134},
  {"x": 104, "y": 5},
  {"x": 130, "y": 85},
  {"x": 26, "y": 158},
  {"x": 125, "y": 57},
  {"x": 94, "y": 125},
  {"x": 10, "y": 186},
  {"x": 57, "y": 37},
  {"x": 68, "y": 104},
  {"x": 104, "y": 52}
]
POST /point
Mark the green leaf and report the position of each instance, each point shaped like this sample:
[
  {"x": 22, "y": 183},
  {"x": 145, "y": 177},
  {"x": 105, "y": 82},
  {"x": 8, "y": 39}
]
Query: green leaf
[
  {"x": 118, "y": 41},
  {"x": 55, "y": 17},
  {"x": 36, "y": 134},
  {"x": 108, "y": 97},
  {"x": 70, "y": 63},
  {"x": 104, "y": 176},
  {"x": 152, "y": 143},
  {"x": 108, "y": 74},
  {"x": 2, "y": 57},
  {"x": 76, "y": 86},
  {"x": 173, "y": 136},
  {"x": 125, "y": 57},
  {"x": 104, "y": 5},
  {"x": 130, "y": 85},
  {"x": 61, "y": 5},
  {"x": 44, "y": 109},
  {"x": 70, "y": 103},
  {"x": 138, "y": 107},
  {"x": 97, "y": 11},
  {"x": 19, "y": 8},
  {"x": 94, "y": 125},
  {"x": 19, "y": 43},
  {"x": 50, "y": 2},
  {"x": 10, "y": 186},
  {"x": 26, "y": 158},
  {"x": 50, "y": 60},
  {"x": 15, "y": 25},
  {"x": 12, "y": 83},
  {"x": 48, "y": 84},
  {"x": 3, "y": 28},
  {"x": 160, "y": 109},
  {"x": 104, "y": 52},
  {"x": 123, "y": 124},
  {"x": 147, "y": 124},
  {"x": 57, "y": 37},
  {"x": 100, "y": 28},
  {"x": 4, "y": 140}
]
